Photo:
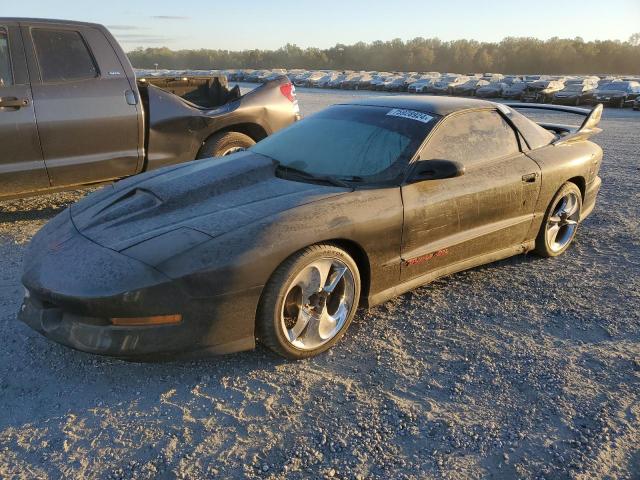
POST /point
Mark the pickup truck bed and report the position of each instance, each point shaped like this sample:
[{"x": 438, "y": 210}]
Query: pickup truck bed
[
  {"x": 204, "y": 91},
  {"x": 72, "y": 111}
]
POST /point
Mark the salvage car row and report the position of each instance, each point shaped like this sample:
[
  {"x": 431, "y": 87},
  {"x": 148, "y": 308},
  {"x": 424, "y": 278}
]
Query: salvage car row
[{"x": 566, "y": 90}]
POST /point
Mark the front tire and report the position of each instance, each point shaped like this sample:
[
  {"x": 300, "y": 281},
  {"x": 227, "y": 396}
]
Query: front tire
[
  {"x": 309, "y": 302},
  {"x": 224, "y": 143},
  {"x": 560, "y": 222}
]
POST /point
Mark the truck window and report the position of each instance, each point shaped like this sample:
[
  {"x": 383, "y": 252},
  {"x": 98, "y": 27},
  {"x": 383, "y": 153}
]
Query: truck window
[
  {"x": 6, "y": 77},
  {"x": 62, "y": 55}
]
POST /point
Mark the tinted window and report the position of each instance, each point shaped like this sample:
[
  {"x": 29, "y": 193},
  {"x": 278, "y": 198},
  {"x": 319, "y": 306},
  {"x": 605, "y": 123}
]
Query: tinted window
[
  {"x": 375, "y": 143},
  {"x": 615, "y": 86},
  {"x": 472, "y": 138},
  {"x": 6, "y": 78},
  {"x": 63, "y": 55}
]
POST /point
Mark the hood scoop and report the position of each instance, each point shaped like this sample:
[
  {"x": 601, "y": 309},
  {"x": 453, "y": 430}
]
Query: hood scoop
[{"x": 127, "y": 207}]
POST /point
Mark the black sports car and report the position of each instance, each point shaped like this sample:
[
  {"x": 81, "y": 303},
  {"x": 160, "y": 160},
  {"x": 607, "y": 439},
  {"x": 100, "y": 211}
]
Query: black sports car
[
  {"x": 573, "y": 94},
  {"x": 352, "y": 206},
  {"x": 617, "y": 94}
]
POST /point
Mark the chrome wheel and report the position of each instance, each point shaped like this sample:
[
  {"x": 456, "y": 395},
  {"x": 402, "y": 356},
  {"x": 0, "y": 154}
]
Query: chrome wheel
[
  {"x": 563, "y": 222},
  {"x": 317, "y": 303}
]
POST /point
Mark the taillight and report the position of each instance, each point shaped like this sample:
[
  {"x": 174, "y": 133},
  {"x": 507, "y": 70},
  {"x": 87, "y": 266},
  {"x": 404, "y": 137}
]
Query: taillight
[{"x": 289, "y": 91}]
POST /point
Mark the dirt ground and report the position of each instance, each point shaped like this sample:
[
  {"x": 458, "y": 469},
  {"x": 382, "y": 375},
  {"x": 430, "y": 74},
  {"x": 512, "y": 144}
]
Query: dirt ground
[{"x": 526, "y": 368}]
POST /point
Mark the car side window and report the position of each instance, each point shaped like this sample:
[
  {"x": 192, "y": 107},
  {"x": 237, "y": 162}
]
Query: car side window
[
  {"x": 535, "y": 135},
  {"x": 472, "y": 138},
  {"x": 63, "y": 55},
  {"x": 6, "y": 76}
]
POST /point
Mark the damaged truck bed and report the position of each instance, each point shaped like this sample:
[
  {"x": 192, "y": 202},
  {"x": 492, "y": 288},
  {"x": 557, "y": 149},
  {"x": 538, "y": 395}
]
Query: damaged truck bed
[{"x": 72, "y": 111}]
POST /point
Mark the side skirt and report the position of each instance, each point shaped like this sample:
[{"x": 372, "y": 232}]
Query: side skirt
[{"x": 466, "y": 264}]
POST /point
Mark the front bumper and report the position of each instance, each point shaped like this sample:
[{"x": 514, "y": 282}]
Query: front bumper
[
  {"x": 195, "y": 334},
  {"x": 607, "y": 101},
  {"x": 566, "y": 100},
  {"x": 75, "y": 286}
]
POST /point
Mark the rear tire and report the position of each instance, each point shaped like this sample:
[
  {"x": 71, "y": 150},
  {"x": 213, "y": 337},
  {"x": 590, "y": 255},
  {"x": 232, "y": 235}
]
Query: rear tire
[
  {"x": 560, "y": 222},
  {"x": 224, "y": 143},
  {"x": 308, "y": 303}
]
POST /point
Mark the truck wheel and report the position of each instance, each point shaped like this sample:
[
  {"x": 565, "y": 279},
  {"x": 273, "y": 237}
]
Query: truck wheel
[{"x": 224, "y": 143}]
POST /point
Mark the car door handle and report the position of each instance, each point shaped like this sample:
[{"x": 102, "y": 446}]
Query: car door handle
[
  {"x": 529, "y": 177},
  {"x": 13, "y": 102}
]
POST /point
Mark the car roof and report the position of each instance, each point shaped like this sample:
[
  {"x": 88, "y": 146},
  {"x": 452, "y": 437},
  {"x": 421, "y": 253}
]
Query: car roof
[
  {"x": 48, "y": 20},
  {"x": 429, "y": 104}
]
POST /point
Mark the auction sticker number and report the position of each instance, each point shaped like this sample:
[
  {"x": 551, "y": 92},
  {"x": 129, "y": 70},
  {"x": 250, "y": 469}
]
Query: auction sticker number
[{"x": 411, "y": 114}]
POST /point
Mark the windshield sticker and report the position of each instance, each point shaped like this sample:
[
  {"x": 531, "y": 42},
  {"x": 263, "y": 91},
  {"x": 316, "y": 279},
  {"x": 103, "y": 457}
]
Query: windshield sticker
[{"x": 411, "y": 114}]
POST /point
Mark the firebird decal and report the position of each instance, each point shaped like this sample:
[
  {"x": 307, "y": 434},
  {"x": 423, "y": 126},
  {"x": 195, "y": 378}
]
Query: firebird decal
[{"x": 427, "y": 257}]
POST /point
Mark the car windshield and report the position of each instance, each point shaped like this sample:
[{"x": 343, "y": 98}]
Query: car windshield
[
  {"x": 615, "y": 86},
  {"x": 574, "y": 87},
  {"x": 541, "y": 84},
  {"x": 366, "y": 143}
]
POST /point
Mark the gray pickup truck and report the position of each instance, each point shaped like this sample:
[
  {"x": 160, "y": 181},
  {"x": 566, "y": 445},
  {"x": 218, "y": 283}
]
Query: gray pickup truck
[{"x": 73, "y": 113}]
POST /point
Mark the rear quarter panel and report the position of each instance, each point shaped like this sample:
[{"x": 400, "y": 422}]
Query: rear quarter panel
[
  {"x": 177, "y": 130},
  {"x": 578, "y": 161}
]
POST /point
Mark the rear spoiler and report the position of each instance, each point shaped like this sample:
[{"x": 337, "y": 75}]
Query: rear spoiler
[{"x": 567, "y": 133}]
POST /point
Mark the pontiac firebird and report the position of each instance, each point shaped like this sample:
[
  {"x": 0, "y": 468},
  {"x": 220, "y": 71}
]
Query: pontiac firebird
[{"x": 281, "y": 243}]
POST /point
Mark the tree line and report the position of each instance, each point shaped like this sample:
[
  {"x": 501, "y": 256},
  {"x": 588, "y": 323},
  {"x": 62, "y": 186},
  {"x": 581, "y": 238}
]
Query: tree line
[{"x": 522, "y": 55}]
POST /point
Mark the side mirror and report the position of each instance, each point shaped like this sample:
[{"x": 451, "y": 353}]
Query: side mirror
[{"x": 436, "y": 170}]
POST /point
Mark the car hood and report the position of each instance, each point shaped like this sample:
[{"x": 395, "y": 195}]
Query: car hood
[{"x": 210, "y": 196}]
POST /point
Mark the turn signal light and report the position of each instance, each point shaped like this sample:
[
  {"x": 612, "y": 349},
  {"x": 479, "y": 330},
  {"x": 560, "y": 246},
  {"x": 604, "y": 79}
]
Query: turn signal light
[{"x": 144, "y": 321}]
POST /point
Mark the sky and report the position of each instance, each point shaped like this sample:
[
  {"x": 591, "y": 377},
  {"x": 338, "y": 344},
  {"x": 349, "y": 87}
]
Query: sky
[{"x": 267, "y": 24}]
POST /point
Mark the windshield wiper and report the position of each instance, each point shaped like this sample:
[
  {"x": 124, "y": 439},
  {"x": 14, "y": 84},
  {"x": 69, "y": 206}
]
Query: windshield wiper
[{"x": 311, "y": 176}]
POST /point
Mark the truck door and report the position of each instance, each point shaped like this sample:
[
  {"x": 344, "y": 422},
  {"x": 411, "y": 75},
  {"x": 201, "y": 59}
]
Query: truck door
[
  {"x": 86, "y": 111},
  {"x": 22, "y": 168}
]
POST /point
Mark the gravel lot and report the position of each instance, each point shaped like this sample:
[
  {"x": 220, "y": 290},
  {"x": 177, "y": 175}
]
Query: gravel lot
[{"x": 527, "y": 368}]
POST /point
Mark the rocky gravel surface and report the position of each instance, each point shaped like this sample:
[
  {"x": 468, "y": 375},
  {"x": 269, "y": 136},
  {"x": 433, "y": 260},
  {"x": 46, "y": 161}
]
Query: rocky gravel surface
[{"x": 527, "y": 368}]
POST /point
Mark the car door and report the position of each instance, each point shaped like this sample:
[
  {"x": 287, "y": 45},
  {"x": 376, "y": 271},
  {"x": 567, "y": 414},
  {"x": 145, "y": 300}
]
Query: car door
[
  {"x": 22, "y": 168},
  {"x": 86, "y": 114},
  {"x": 487, "y": 209}
]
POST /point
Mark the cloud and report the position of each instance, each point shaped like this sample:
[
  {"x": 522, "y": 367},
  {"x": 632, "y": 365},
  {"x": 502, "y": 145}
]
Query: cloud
[
  {"x": 141, "y": 39},
  {"x": 169, "y": 17},
  {"x": 123, "y": 27}
]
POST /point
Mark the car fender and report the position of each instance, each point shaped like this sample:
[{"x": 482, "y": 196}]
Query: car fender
[{"x": 246, "y": 257}]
